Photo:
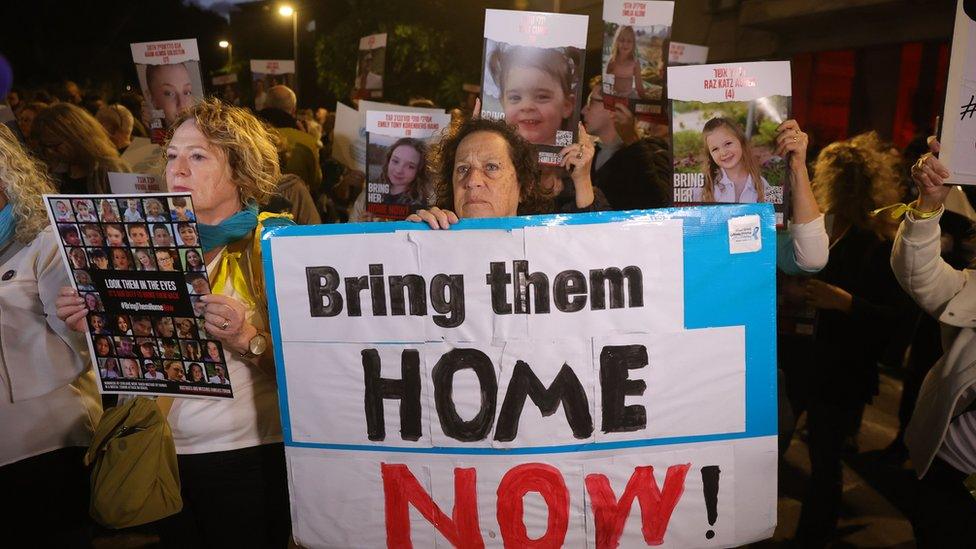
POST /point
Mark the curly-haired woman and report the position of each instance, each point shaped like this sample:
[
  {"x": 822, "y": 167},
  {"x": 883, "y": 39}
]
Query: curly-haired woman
[
  {"x": 858, "y": 301},
  {"x": 231, "y": 460}
]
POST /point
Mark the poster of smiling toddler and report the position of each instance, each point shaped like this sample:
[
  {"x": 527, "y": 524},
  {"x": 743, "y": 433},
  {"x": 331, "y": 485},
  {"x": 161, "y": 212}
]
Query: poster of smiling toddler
[{"x": 532, "y": 76}]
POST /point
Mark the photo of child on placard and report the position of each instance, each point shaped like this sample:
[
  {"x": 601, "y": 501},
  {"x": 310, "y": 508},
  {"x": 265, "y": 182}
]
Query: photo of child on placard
[
  {"x": 169, "y": 75},
  {"x": 398, "y": 146},
  {"x": 724, "y": 151},
  {"x": 268, "y": 73},
  {"x": 370, "y": 64},
  {"x": 731, "y": 144},
  {"x": 636, "y": 37},
  {"x": 532, "y": 75}
]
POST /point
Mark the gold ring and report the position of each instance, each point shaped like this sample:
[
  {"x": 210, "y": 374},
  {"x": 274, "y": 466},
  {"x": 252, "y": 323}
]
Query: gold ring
[{"x": 225, "y": 325}]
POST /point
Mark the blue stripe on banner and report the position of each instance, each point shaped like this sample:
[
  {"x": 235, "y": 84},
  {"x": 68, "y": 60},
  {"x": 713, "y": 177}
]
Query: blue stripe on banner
[{"x": 751, "y": 303}]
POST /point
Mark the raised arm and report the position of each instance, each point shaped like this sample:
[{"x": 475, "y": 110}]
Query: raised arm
[{"x": 916, "y": 257}]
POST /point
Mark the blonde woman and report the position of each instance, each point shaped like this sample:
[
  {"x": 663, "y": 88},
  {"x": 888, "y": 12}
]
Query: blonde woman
[
  {"x": 49, "y": 403},
  {"x": 231, "y": 459},
  {"x": 118, "y": 122},
  {"x": 76, "y": 149}
]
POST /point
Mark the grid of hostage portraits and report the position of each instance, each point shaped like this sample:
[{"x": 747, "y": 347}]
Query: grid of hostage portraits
[{"x": 137, "y": 262}]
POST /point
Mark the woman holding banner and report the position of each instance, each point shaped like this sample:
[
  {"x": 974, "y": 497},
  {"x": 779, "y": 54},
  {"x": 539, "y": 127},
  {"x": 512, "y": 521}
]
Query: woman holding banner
[
  {"x": 487, "y": 169},
  {"x": 231, "y": 460},
  {"x": 50, "y": 403}
]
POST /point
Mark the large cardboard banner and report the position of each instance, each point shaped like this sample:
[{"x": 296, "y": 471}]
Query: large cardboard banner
[{"x": 530, "y": 381}]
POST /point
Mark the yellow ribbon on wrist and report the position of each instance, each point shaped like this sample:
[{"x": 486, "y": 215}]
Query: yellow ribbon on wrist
[{"x": 900, "y": 209}]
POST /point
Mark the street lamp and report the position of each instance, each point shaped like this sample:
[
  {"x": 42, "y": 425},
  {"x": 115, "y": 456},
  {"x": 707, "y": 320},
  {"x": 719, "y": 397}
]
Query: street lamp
[
  {"x": 230, "y": 50},
  {"x": 285, "y": 10}
]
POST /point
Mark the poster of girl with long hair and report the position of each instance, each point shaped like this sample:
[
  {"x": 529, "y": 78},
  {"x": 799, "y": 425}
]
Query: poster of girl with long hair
[
  {"x": 636, "y": 37},
  {"x": 723, "y": 122}
]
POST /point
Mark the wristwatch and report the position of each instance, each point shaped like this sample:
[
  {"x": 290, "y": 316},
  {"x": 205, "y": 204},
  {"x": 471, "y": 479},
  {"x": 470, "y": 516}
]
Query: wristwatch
[{"x": 257, "y": 346}]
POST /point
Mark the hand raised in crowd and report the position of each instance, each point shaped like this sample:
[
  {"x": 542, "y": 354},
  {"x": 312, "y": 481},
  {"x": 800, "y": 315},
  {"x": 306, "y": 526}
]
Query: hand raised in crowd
[
  {"x": 577, "y": 159},
  {"x": 71, "y": 309},
  {"x": 625, "y": 123},
  {"x": 790, "y": 140},
  {"x": 226, "y": 320},
  {"x": 435, "y": 217},
  {"x": 930, "y": 174},
  {"x": 821, "y": 295}
]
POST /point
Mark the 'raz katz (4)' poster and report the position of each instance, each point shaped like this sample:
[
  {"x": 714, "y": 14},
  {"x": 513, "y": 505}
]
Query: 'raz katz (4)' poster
[
  {"x": 397, "y": 149},
  {"x": 169, "y": 75},
  {"x": 532, "y": 75},
  {"x": 635, "y": 56},
  {"x": 723, "y": 121}
]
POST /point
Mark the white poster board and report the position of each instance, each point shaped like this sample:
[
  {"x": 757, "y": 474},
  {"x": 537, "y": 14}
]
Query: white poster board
[
  {"x": 524, "y": 380},
  {"x": 687, "y": 54},
  {"x": 958, "y": 136}
]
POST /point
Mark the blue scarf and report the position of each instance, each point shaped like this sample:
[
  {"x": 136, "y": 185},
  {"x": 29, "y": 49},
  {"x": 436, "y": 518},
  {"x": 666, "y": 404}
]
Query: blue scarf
[
  {"x": 229, "y": 230},
  {"x": 8, "y": 225}
]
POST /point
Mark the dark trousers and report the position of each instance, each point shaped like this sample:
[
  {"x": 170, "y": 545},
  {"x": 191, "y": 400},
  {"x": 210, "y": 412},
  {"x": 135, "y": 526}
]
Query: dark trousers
[
  {"x": 237, "y": 498},
  {"x": 945, "y": 513},
  {"x": 46, "y": 500},
  {"x": 828, "y": 424}
]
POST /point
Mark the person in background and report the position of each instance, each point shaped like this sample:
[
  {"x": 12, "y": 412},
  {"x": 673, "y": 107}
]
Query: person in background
[
  {"x": 118, "y": 122},
  {"x": 25, "y": 117},
  {"x": 292, "y": 195},
  {"x": 92, "y": 102},
  {"x": 632, "y": 173},
  {"x": 858, "y": 303},
  {"x": 134, "y": 103},
  {"x": 44, "y": 368},
  {"x": 76, "y": 149},
  {"x": 69, "y": 92},
  {"x": 303, "y": 149}
]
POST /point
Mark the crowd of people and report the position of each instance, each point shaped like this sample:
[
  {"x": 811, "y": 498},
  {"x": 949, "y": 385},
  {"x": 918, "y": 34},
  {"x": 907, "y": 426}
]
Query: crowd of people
[{"x": 869, "y": 282}]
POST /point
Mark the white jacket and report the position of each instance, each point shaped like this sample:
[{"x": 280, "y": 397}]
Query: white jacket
[
  {"x": 950, "y": 296},
  {"x": 49, "y": 399}
]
